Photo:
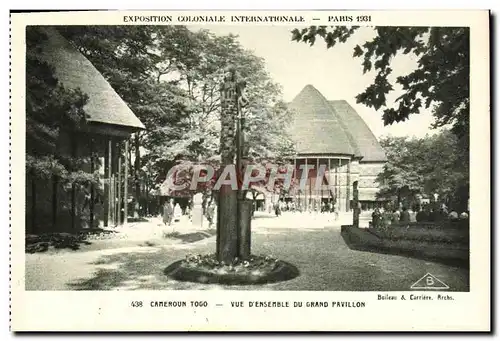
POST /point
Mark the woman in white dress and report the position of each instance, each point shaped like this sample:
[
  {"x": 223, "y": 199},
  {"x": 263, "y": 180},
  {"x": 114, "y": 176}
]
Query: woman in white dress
[{"x": 177, "y": 213}]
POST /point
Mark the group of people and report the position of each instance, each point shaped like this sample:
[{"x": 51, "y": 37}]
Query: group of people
[
  {"x": 431, "y": 214},
  {"x": 426, "y": 213},
  {"x": 172, "y": 212},
  {"x": 291, "y": 206}
]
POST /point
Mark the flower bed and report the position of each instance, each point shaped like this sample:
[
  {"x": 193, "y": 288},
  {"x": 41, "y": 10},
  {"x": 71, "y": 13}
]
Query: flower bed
[
  {"x": 255, "y": 270},
  {"x": 422, "y": 233},
  {"x": 455, "y": 254},
  {"x": 62, "y": 240}
]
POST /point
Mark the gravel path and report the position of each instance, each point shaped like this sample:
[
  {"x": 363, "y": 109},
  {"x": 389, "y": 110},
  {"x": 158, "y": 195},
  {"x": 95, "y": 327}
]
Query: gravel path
[{"x": 320, "y": 254}]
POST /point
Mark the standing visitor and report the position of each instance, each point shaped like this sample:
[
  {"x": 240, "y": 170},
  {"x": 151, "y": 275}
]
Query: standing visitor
[
  {"x": 420, "y": 216},
  {"x": 433, "y": 215},
  {"x": 210, "y": 214},
  {"x": 405, "y": 216},
  {"x": 395, "y": 216},
  {"x": 376, "y": 215},
  {"x": 277, "y": 209},
  {"x": 168, "y": 212},
  {"x": 177, "y": 212}
]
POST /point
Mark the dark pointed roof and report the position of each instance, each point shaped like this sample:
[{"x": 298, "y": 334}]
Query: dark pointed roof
[
  {"x": 74, "y": 71},
  {"x": 367, "y": 143},
  {"x": 316, "y": 129},
  {"x": 331, "y": 127}
]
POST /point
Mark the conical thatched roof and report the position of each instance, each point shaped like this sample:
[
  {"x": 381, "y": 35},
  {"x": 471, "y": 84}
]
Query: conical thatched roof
[
  {"x": 74, "y": 71},
  {"x": 316, "y": 128},
  {"x": 367, "y": 143},
  {"x": 331, "y": 127}
]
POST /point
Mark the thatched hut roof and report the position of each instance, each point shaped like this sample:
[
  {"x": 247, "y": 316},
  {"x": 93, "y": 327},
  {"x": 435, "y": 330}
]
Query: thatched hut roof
[
  {"x": 332, "y": 128},
  {"x": 75, "y": 71}
]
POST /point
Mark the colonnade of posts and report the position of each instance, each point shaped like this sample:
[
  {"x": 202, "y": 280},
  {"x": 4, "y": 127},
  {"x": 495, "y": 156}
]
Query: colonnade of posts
[
  {"x": 116, "y": 185},
  {"x": 52, "y": 206},
  {"x": 337, "y": 192}
]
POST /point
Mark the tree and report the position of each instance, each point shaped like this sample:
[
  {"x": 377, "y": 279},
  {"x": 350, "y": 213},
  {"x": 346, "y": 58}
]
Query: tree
[
  {"x": 170, "y": 77},
  {"x": 134, "y": 61},
  {"x": 51, "y": 111},
  {"x": 426, "y": 166},
  {"x": 440, "y": 81}
]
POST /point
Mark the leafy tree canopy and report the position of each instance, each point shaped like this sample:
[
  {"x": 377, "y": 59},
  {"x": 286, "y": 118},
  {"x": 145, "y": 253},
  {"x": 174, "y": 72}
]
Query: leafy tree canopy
[
  {"x": 169, "y": 76},
  {"x": 51, "y": 110},
  {"x": 428, "y": 165},
  {"x": 440, "y": 81}
]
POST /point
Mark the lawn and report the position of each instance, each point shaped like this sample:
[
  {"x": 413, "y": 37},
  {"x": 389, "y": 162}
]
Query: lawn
[{"x": 324, "y": 260}]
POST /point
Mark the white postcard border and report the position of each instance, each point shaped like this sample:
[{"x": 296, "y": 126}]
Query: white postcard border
[{"x": 65, "y": 310}]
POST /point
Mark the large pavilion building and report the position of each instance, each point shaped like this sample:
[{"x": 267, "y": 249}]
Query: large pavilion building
[{"x": 332, "y": 134}]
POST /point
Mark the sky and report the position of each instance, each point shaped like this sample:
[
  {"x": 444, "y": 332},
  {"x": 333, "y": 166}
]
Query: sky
[{"x": 334, "y": 72}]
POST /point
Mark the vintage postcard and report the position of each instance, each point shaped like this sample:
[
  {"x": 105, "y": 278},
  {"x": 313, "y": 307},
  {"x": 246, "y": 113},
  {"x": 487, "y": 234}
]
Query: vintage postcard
[{"x": 250, "y": 171}]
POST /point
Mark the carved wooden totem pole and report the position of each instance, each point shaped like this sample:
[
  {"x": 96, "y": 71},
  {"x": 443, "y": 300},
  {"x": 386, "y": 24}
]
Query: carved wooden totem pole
[{"x": 228, "y": 222}]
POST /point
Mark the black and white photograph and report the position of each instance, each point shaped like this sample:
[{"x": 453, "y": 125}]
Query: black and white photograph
[
  {"x": 178, "y": 154},
  {"x": 111, "y": 109}
]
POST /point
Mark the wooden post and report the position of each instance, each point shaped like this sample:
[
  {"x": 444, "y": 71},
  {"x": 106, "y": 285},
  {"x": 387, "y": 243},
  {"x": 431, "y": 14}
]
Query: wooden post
[
  {"x": 73, "y": 187},
  {"x": 125, "y": 186},
  {"x": 110, "y": 183},
  {"x": 318, "y": 199},
  {"x": 295, "y": 180},
  {"x": 322, "y": 193},
  {"x": 92, "y": 189},
  {"x": 355, "y": 210},
  {"x": 137, "y": 180},
  {"x": 113, "y": 183},
  {"x": 119, "y": 183},
  {"x": 305, "y": 190},
  {"x": 106, "y": 185},
  {"x": 329, "y": 175},
  {"x": 337, "y": 173},
  {"x": 348, "y": 188}
]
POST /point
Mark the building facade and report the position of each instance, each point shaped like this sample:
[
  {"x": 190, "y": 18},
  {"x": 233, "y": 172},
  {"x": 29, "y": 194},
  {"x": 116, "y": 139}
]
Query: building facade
[
  {"x": 101, "y": 143},
  {"x": 332, "y": 135}
]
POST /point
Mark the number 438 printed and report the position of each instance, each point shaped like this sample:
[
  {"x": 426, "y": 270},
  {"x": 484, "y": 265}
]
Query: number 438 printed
[{"x": 136, "y": 304}]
